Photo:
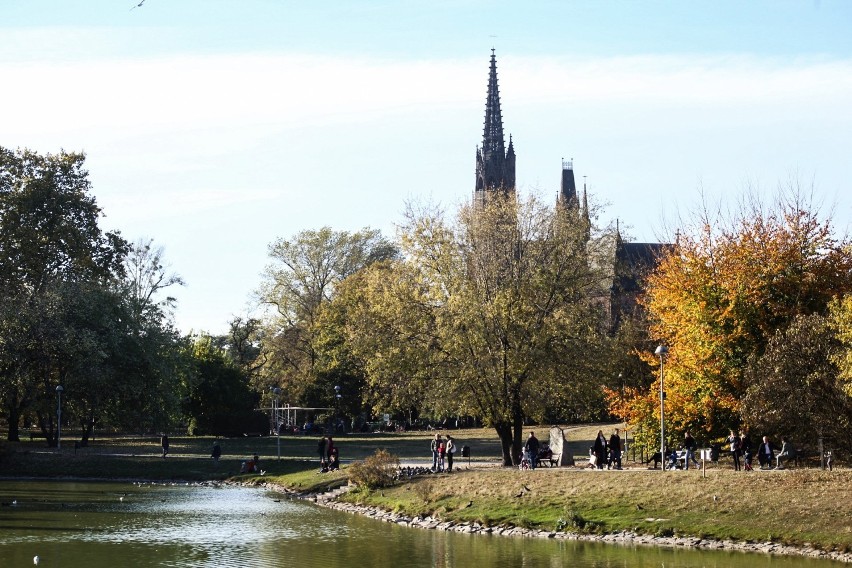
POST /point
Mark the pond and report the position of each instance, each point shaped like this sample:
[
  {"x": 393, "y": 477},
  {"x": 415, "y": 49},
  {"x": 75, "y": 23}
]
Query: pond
[{"x": 94, "y": 525}]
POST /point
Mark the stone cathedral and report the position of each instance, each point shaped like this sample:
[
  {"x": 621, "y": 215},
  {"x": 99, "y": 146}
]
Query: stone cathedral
[{"x": 495, "y": 173}]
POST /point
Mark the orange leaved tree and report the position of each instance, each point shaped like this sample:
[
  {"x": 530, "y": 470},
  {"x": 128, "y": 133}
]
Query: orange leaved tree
[{"x": 722, "y": 292}]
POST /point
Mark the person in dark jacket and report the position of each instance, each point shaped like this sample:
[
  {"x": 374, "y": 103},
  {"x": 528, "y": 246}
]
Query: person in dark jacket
[
  {"x": 690, "y": 446},
  {"x": 600, "y": 449},
  {"x": 745, "y": 449},
  {"x": 531, "y": 448},
  {"x": 765, "y": 453},
  {"x": 614, "y": 451}
]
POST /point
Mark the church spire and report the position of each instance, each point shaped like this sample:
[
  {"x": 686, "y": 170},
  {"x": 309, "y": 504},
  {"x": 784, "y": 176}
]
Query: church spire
[{"x": 495, "y": 165}]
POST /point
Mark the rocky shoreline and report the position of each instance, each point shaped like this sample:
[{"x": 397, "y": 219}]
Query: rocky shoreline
[{"x": 330, "y": 501}]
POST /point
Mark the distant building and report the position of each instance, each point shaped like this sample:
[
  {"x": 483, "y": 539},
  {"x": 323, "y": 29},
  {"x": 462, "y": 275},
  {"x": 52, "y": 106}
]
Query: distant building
[
  {"x": 495, "y": 164},
  {"x": 629, "y": 263}
]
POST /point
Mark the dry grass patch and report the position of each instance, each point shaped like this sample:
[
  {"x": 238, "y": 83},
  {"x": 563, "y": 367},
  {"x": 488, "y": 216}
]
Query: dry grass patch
[{"x": 794, "y": 506}]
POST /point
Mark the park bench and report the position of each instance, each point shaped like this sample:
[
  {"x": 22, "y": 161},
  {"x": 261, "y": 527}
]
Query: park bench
[{"x": 547, "y": 457}]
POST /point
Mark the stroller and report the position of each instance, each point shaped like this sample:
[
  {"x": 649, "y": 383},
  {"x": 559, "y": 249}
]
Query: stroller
[{"x": 525, "y": 461}]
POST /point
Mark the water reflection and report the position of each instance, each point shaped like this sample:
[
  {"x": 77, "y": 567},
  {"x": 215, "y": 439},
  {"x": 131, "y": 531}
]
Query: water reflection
[{"x": 74, "y": 525}]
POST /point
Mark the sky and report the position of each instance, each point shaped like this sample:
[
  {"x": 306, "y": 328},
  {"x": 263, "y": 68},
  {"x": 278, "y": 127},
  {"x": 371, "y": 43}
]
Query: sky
[{"x": 216, "y": 127}]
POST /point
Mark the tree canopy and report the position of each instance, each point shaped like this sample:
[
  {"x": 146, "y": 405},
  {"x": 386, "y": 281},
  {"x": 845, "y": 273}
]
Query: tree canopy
[
  {"x": 720, "y": 295},
  {"x": 493, "y": 315}
]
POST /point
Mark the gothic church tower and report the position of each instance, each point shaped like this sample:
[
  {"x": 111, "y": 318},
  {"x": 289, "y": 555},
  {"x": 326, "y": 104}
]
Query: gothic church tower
[{"x": 495, "y": 164}]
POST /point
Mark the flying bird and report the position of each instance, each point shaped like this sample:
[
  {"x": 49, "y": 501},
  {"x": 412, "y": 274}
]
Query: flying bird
[{"x": 139, "y": 5}]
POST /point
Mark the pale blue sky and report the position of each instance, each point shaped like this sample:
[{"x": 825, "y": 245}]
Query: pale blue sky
[{"x": 215, "y": 127}]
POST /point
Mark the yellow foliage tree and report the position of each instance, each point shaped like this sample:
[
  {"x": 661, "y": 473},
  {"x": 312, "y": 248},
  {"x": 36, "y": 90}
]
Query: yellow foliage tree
[{"x": 722, "y": 291}]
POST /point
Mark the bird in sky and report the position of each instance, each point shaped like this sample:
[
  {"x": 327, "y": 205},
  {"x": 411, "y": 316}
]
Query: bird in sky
[{"x": 139, "y": 5}]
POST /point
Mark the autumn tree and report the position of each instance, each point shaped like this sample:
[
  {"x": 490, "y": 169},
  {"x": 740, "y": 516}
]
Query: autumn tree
[
  {"x": 726, "y": 287},
  {"x": 493, "y": 315},
  {"x": 302, "y": 277},
  {"x": 841, "y": 323}
]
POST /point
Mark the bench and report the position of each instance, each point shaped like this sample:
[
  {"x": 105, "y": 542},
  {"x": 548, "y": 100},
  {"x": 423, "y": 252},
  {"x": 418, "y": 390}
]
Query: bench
[{"x": 548, "y": 458}]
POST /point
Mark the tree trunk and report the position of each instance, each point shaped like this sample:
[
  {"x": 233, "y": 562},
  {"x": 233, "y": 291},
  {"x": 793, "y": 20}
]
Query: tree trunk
[
  {"x": 518, "y": 434},
  {"x": 504, "y": 431},
  {"x": 88, "y": 425},
  {"x": 47, "y": 428},
  {"x": 14, "y": 416}
]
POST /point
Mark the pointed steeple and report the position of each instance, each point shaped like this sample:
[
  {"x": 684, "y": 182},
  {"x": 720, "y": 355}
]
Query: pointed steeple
[
  {"x": 492, "y": 135},
  {"x": 568, "y": 188},
  {"x": 495, "y": 165}
]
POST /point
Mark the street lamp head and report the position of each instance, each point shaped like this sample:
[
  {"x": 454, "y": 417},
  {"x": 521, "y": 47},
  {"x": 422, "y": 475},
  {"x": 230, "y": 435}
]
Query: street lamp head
[
  {"x": 661, "y": 350},
  {"x": 59, "y": 388},
  {"x": 276, "y": 391},
  {"x": 336, "y": 388}
]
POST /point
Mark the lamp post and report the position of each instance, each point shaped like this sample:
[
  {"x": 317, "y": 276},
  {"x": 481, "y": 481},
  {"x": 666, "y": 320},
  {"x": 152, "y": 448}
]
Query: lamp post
[
  {"x": 623, "y": 417},
  {"x": 661, "y": 351},
  {"x": 59, "y": 390},
  {"x": 337, "y": 396},
  {"x": 276, "y": 392}
]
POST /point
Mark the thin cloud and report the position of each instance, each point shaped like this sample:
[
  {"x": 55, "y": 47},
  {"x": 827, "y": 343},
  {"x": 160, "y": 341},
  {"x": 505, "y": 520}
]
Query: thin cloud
[{"x": 175, "y": 93}]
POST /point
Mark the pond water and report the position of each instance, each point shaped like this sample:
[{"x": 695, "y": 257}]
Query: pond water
[{"x": 94, "y": 525}]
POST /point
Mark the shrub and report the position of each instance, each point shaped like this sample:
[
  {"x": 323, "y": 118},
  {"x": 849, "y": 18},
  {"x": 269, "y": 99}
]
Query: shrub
[{"x": 375, "y": 471}]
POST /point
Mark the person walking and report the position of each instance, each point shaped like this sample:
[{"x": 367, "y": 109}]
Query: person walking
[
  {"x": 216, "y": 453},
  {"x": 600, "y": 449},
  {"x": 734, "y": 443},
  {"x": 614, "y": 451},
  {"x": 164, "y": 443},
  {"x": 689, "y": 445},
  {"x": 531, "y": 448},
  {"x": 765, "y": 453},
  {"x": 436, "y": 441},
  {"x": 745, "y": 450},
  {"x": 450, "y": 448}
]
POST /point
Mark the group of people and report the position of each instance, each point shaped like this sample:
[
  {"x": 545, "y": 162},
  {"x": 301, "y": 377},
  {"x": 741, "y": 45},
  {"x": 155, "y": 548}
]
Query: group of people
[
  {"x": 442, "y": 453},
  {"x": 606, "y": 452},
  {"x": 741, "y": 450},
  {"x": 329, "y": 459}
]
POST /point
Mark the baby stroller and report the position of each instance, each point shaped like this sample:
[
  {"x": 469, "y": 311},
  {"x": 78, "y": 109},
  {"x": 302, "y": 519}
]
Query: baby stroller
[{"x": 672, "y": 462}]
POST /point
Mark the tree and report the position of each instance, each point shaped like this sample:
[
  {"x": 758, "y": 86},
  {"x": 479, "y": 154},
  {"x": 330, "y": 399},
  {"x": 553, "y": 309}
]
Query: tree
[
  {"x": 792, "y": 389},
  {"x": 49, "y": 241},
  {"x": 495, "y": 315},
  {"x": 304, "y": 276},
  {"x": 146, "y": 278},
  {"x": 723, "y": 291},
  {"x": 219, "y": 399},
  {"x": 841, "y": 323}
]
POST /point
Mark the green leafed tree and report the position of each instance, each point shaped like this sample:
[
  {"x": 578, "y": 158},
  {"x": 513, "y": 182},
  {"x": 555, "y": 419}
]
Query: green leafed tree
[
  {"x": 219, "y": 399},
  {"x": 793, "y": 388},
  {"x": 50, "y": 242}
]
